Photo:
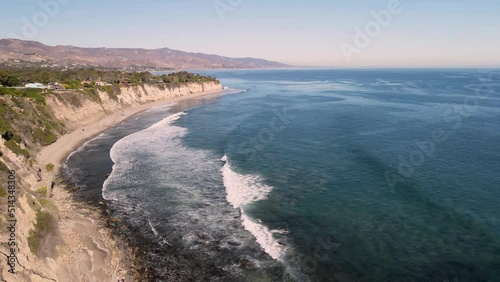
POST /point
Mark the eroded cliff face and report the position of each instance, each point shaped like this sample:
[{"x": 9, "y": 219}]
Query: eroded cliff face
[
  {"x": 78, "y": 110},
  {"x": 78, "y": 248}
]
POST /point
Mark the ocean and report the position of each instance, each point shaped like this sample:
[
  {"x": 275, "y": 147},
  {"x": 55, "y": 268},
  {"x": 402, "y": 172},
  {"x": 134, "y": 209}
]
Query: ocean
[{"x": 310, "y": 175}]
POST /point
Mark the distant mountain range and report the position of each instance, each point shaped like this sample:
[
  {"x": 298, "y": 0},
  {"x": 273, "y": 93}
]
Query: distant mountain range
[{"x": 33, "y": 53}]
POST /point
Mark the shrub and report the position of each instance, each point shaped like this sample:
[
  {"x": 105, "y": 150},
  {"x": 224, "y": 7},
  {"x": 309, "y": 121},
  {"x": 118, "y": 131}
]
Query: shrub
[
  {"x": 43, "y": 226},
  {"x": 46, "y": 203},
  {"x": 11, "y": 81},
  {"x": 32, "y": 93},
  {"x": 36, "y": 95},
  {"x": 93, "y": 94},
  {"x": 111, "y": 90},
  {"x": 8, "y": 135},
  {"x": 45, "y": 136},
  {"x": 3, "y": 167},
  {"x": 49, "y": 167},
  {"x": 16, "y": 149},
  {"x": 4, "y": 124},
  {"x": 16, "y": 138},
  {"x": 73, "y": 85},
  {"x": 41, "y": 192},
  {"x": 2, "y": 193}
]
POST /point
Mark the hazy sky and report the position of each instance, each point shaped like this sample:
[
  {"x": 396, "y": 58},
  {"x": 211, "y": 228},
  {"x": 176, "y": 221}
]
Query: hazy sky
[{"x": 444, "y": 33}]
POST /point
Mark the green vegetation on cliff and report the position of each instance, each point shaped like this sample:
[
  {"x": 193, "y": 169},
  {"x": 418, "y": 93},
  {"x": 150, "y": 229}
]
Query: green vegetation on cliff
[
  {"x": 44, "y": 225},
  {"x": 16, "y": 149},
  {"x": 27, "y": 124},
  {"x": 89, "y": 78},
  {"x": 31, "y": 93},
  {"x": 184, "y": 76}
]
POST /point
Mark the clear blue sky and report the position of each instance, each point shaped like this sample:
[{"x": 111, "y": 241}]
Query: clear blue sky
[{"x": 444, "y": 33}]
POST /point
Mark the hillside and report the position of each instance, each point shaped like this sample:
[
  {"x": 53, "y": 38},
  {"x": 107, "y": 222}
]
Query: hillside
[{"x": 37, "y": 53}]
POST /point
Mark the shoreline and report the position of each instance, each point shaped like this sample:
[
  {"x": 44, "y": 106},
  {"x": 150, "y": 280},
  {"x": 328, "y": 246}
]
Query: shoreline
[
  {"x": 88, "y": 224},
  {"x": 57, "y": 152}
]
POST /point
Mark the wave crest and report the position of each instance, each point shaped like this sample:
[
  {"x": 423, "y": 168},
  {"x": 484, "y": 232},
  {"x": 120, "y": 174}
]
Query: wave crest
[{"x": 242, "y": 190}]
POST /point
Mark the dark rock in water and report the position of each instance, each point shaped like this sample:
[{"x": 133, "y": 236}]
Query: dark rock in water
[
  {"x": 220, "y": 248},
  {"x": 234, "y": 243},
  {"x": 244, "y": 263},
  {"x": 239, "y": 213},
  {"x": 281, "y": 243},
  {"x": 202, "y": 236},
  {"x": 247, "y": 264}
]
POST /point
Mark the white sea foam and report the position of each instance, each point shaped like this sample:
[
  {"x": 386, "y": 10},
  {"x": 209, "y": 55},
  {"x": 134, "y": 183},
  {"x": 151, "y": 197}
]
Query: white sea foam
[
  {"x": 161, "y": 108},
  {"x": 245, "y": 189},
  {"x": 292, "y": 82},
  {"x": 191, "y": 178},
  {"x": 230, "y": 90},
  {"x": 167, "y": 120},
  {"x": 264, "y": 237},
  {"x": 84, "y": 146},
  {"x": 387, "y": 83},
  {"x": 280, "y": 231},
  {"x": 118, "y": 152},
  {"x": 152, "y": 227}
]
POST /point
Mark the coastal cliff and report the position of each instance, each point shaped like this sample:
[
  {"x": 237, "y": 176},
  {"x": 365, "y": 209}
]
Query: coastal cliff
[
  {"x": 77, "y": 110},
  {"x": 52, "y": 237}
]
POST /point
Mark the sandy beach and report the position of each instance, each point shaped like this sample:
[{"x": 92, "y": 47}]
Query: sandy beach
[
  {"x": 57, "y": 152},
  {"x": 86, "y": 249}
]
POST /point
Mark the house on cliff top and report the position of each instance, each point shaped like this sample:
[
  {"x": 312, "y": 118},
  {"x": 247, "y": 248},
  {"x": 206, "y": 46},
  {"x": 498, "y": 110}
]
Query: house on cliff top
[{"x": 35, "y": 85}]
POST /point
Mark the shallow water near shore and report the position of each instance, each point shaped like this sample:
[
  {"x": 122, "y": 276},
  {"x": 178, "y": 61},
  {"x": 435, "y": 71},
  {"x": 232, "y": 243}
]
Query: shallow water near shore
[{"x": 313, "y": 175}]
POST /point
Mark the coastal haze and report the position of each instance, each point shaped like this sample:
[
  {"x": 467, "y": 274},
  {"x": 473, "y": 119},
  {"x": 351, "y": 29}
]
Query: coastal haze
[{"x": 31, "y": 53}]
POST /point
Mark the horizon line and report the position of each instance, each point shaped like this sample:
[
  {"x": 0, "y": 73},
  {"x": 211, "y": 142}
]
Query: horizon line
[{"x": 270, "y": 60}]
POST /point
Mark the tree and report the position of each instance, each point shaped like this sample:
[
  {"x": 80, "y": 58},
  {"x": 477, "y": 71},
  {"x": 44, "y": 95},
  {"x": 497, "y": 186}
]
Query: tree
[
  {"x": 145, "y": 77},
  {"x": 11, "y": 81}
]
